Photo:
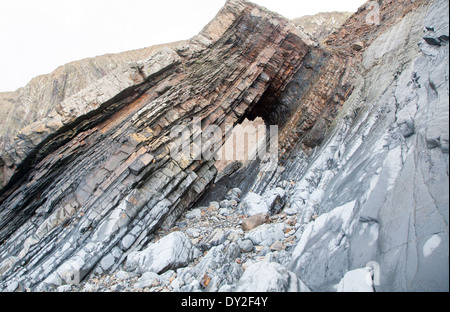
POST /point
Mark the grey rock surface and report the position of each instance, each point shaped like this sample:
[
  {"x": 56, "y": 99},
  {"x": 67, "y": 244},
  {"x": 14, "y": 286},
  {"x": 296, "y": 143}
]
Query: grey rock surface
[
  {"x": 173, "y": 251},
  {"x": 358, "y": 200},
  {"x": 321, "y": 255},
  {"x": 359, "y": 280},
  {"x": 266, "y": 234}
]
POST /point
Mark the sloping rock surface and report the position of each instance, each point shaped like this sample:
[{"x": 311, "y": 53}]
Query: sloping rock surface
[
  {"x": 358, "y": 200},
  {"x": 95, "y": 177},
  {"x": 42, "y": 94}
]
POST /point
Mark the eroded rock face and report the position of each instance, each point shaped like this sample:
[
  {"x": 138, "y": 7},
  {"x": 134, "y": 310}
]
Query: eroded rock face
[
  {"x": 387, "y": 152},
  {"x": 99, "y": 164},
  {"x": 321, "y": 25},
  {"x": 42, "y": 94},
  {"x": 360, "y": 191}
]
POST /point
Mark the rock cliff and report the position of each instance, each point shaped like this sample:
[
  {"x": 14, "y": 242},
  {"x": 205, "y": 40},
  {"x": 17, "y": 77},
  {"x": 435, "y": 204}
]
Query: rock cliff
[{"x": 358, "y": 199}]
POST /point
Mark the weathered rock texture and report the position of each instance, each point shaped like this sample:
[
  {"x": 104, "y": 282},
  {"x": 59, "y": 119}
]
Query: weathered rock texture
[
  {"x": 42, "y": 94},
  {"x": 386, "y": 162},
  {"x": 363, "y": 151}
]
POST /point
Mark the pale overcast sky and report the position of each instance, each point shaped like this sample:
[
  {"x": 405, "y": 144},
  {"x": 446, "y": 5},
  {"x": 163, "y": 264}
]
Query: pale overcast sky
[{"x": 37, "y": 36}]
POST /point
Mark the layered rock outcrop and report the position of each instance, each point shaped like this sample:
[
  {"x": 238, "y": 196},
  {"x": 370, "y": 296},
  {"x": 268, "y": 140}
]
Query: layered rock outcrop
[
  {"x": 363, "y": 161},
  {"x": 95, "y": 176},
  {"x": 42, "y": 94},
  {"x": 386, "y": 162}
]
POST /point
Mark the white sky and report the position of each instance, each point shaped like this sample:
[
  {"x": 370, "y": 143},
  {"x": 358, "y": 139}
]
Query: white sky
[{"x": 37, "y": 36}]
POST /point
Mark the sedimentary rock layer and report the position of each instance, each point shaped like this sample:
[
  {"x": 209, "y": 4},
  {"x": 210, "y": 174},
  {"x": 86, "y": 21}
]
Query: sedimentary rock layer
[
  {"x": 95, "y": 177},
  {"x": 363, "y": 164},
  {"x": 321, "y": 25},
  {"x": 40, "y": 96}
]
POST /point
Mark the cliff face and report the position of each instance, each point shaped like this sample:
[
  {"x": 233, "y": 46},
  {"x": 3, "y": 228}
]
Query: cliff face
[
  {"x": 384, "y": 165},
  {"x": 100, "y": 163},
  {"x": 362, "y": 175},
  {"x": 40, "y": 96}
]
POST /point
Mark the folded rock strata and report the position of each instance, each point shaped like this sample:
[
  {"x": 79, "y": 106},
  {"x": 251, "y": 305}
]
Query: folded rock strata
[
  {"x": 96, "y": 177},
  {"x": 42, "y": 94},
  {"x": 363, "y": 151}
]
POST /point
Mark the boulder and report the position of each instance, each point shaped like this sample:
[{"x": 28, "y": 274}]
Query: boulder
[
  {"x": 269, "y": 277},
  {"x": 269, "y": 202},
  {"x": 216, "y": 269},
  {"x": 217, "y": 237},
  {"x": 194, "y": 214},
  {"x": 255, "y": 221},
  {"x": 246, "y": 245},
  {"x": 253, "y": 204},
  {"x": 171, "y": 252},
  {"x": 359, "y": 280},
  {"x": 267, "y": 234}
]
